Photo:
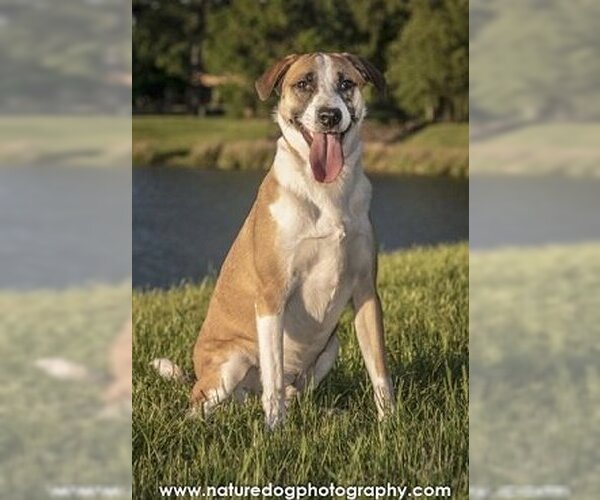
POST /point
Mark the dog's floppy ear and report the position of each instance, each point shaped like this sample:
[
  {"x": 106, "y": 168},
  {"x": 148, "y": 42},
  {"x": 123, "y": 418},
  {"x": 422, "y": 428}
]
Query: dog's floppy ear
[
  {"x": 273, "y": 76},
  {"x": 369, "y": 72}
]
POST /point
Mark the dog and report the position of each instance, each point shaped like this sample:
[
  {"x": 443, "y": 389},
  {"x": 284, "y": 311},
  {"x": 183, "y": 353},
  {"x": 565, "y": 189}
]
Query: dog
[{"x": 305, "y": 250}]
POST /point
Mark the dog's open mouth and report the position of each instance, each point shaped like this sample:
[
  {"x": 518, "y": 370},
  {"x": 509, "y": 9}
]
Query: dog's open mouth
[{"x": 326, "y": 154}]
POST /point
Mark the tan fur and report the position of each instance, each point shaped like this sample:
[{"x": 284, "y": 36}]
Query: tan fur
[
  {"x": 272, "y": 77},
  {"x": 251, "y": 280}
]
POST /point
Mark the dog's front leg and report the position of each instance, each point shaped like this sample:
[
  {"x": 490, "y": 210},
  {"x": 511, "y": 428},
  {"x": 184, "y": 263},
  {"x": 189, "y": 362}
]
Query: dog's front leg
[
  {"x": 368, "y": 322},
  {"x": 270, "y": 346}
]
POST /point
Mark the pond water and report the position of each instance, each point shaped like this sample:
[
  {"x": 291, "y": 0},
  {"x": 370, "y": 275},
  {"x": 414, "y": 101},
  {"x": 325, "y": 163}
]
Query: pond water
[
  {"x": 64, "y": 226},
  {"x": 527, "y": 211},
  {"x": 185, "y": 220}
]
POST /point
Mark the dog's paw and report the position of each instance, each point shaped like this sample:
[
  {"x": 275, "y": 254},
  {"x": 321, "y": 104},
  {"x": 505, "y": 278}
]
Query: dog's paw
[
  {"x": 274, "y": 412},
  {"x": 273, "y": 421},
  {"x": 291, "y": 393},
  {"x": 386, "y": 410},
  {"x": 197, "y": 412}
]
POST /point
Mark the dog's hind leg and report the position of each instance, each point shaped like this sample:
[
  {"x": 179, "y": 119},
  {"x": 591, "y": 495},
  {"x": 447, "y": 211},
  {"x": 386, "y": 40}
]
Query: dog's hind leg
[{"x": 216, "y": 384}]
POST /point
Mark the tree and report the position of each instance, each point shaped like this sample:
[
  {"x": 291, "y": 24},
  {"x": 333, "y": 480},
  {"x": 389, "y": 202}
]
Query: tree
[
  {"x": 65, "y": 55},
  {"x": 428, "y": 62},
  {"x": 534, "y": 61},
  {"x": 245, "y": 36},
  {"x": 167, "y": 38},
  {"x": 234, "y": 41}
]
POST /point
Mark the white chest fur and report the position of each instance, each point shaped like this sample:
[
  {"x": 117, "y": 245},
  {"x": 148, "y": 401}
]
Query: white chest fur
[{"x": 326, "y": 241}]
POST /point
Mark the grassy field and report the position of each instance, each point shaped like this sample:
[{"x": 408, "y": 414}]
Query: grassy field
[
  {"x": 535, "y": 378},
  {"x": 227, "y": 143},
  {"x": 52, "y": 432},
  {"x": 332, "y": 435},
  {"x": 65, "y": 140},
  {"x": 556, "y": 148}
]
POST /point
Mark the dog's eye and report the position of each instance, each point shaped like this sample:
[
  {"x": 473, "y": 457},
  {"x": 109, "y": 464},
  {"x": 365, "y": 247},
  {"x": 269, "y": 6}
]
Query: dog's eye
[
  {"x": 302, "y": 84},
  {"x": 346, "y": 85}
]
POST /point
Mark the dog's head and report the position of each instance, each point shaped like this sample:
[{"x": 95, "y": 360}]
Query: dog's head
[{"x": 320, "y": 104}]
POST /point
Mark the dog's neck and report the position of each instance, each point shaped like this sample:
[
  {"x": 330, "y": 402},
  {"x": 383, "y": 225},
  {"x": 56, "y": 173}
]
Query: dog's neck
[{"x": 292, "y": 168}]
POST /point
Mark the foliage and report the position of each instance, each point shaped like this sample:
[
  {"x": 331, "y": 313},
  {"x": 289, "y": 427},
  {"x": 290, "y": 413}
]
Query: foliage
[
  {"x": 333, "y": 434},
  {"x": 534, "y": 61},
  {"x": 166, "y": 38},
  {"x": 242, "y": 38},
  {"x": 75, "y": 55},
  {"x": 245, "y": 37},
  {"x": 64, "y": 55},
  {"x": 428, "y": 61}
]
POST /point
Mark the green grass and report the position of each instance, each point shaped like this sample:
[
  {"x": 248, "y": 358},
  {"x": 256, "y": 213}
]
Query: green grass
[
  {"x": 333, "y": 434},
  {"x": 565, "y": 135},
  {"x": 178, "y": 132},
  {"x": 65, "y": 140},
  {"x": 559, "y": 148},
  {"x": 51, "y": 432},
  {"x": 227, "y": 143},
  {"x": 535, "y": 378},
  {"x": 441, "y": 135}
]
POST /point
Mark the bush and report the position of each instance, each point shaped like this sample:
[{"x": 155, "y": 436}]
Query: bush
[{"x": 143, "y": 153}]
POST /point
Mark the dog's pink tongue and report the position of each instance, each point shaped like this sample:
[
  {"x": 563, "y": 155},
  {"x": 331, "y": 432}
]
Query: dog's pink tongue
[{"x": 326, "y": 156}]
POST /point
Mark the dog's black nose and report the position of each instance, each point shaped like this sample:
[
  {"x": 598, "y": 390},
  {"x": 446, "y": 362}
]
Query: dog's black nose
[{"x": 329, "y": 117}]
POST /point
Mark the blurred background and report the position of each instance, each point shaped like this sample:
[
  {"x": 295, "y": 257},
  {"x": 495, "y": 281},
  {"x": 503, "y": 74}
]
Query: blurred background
[
  {"x": 534, "y": 249},
  {"x": 202, "y": 140},
  {"x": 201, "y": 57},
  {"x": 65, "y": 249}
]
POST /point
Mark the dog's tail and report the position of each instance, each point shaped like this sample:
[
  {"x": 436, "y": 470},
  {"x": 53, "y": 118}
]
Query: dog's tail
[
  {"x": 169, "y": 370},
  {"x": 65, "y": 369}
]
